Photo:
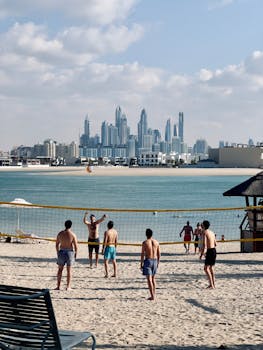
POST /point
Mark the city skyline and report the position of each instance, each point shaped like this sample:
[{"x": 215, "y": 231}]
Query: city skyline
[{"x": 59, "y": 61}]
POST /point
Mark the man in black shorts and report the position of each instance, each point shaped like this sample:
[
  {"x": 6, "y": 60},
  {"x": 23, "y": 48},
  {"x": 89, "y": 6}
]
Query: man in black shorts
[
  {"x": 93, "y": 228},
  {"x": 210, "y": 258}
]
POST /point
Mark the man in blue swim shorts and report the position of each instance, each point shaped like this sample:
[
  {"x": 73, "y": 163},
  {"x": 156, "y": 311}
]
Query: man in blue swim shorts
[
  {"x": 109, "y": 249},
  {"x": 66, "y": 247},
  {"x": 150, "y": 258}
]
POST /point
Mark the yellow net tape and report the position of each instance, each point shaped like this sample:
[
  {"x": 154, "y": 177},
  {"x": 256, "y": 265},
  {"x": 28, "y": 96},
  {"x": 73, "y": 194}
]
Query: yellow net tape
[{"x": 42, "y": 222}]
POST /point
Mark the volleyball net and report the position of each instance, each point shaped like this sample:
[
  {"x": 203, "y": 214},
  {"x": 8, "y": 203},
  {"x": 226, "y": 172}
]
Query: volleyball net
[{"x": 36, "y": 221}]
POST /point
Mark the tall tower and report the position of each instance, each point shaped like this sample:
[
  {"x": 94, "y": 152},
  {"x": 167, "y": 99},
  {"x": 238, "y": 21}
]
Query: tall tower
[
  {"x": 85, "y": 138},
  {"x": 86, "y": 127},
  {"x": 105, "y": 134},
  {"x": 118, "y": 114},
  {"x": 181, "y": 126},
  {"x": 123, "y": 130},
  {"x": 142, "y": 127},
  {"x": 175, "y": 130},
  {"x": 168, "y": 135}
]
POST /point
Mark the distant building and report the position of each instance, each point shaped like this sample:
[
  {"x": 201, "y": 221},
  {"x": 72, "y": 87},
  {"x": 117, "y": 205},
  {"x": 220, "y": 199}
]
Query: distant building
[
  {"x": 142, "y": 128},
  {"x": 150, "y": 159},
  {"x": 181, "y": 126},
  {"x": 240, "y": 156},
  {"x": 168, "y": 134}
]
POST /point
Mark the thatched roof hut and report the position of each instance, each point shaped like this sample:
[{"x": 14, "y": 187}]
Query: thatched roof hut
[{"x": 252, "y": 187}]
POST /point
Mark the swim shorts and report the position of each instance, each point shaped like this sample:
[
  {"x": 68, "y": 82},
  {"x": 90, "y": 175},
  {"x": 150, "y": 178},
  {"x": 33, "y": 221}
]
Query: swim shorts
[
  {"x": 65, "y": 256},
  {"x": 210, "y": 258},
  {"x": 149, "y": 267},
  {"x": 187, "y": 238},
  {"x": 110, "y": 253},
  {"x": 94, "y": 246}
]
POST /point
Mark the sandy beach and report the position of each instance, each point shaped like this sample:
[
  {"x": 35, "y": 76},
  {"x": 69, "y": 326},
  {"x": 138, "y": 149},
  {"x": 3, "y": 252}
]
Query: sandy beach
[
  {"x": 185, "y": 316},
  {"x": 137, "y": 171}
]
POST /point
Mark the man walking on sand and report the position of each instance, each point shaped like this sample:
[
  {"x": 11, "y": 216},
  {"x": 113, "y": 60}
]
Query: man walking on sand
[
  {"x": 109, "y": 249},
  {"x": 210, "y": 258},
  {"x": 188, "y": 232},
  {"x": 66, "y": 247},
  {"x": 150, "y": 259},
  {"x": 93, "y": 240}
]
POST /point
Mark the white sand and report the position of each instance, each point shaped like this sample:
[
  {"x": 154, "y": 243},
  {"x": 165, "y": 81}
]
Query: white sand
[
  {"x": 184, "y": 316},
  {"x": 125, "y": 171}
]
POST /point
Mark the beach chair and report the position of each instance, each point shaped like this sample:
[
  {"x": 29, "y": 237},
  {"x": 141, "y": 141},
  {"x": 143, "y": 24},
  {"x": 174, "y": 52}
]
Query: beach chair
[{"x": 27, "y": 321}]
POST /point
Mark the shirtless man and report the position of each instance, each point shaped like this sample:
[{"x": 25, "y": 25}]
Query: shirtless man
[
  {"x": 188, "y": 232},
  {"x": 109, "y": 249},
  {"x": 210, "y": 258},
  {"x": 93, "y": 228},
  {"x": 150, "y": 258},
  {"x": 66, "y": 247}
]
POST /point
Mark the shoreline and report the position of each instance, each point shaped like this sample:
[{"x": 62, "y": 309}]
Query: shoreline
[{"x": 126, "y": 171}]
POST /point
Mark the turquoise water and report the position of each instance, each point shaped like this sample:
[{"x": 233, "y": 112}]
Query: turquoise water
[{"x": 119, "y": 192}]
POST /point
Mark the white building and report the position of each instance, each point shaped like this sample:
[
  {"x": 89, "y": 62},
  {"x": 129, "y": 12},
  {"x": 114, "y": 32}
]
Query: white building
[{"x": 151, "y": 159}]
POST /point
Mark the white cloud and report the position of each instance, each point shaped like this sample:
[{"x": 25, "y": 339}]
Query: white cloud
[
  {"x": 102, "y": 12},
  {"x": 98, "y": 41},
  {"x": 50, "y": 80},
  {"x": 205, "y": 74},
  {"x": 63, "y": 96}
]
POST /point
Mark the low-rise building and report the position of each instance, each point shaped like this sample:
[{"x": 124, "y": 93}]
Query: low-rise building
[{"x": 241, "y": 156}]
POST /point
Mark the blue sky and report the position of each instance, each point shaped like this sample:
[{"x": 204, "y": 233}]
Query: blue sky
[{"x": 62, "y": 60}]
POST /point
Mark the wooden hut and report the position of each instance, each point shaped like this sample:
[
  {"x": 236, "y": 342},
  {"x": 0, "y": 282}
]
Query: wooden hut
[{"x": 252, "y": 224}]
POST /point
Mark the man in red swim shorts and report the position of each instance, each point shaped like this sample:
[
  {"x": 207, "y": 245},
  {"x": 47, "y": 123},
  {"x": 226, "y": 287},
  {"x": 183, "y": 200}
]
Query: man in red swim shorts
[{"x": 188, "y": 232}]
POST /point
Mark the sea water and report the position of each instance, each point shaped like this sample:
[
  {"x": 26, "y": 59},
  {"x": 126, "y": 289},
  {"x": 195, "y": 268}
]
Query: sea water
[{"x": 115, "y": 192}]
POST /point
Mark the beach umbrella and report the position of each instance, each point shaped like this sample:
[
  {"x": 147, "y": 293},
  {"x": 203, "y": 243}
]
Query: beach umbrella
[{"x": 17, "y": 203}]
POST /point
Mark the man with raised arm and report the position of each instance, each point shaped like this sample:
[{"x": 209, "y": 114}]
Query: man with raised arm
[
  {"x": 109, "y": 249},
  {"x": 93, "y": 229},
  {"x": 66, "y": 247},
  {"x": 150, "y": 259},
  {"x": 209, "y": 246}
]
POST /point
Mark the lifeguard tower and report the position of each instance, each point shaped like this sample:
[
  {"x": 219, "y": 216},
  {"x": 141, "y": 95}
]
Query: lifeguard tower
[{"x": 251, "y": 226}]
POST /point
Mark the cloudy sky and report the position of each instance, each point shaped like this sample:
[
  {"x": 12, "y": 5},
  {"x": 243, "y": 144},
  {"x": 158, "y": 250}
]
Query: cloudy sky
[{"x": 62, "y": 60}]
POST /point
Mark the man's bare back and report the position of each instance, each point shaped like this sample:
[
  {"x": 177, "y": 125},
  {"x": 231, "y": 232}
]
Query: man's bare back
[
  {"x": 111, "y": 237},
  {"x": 150, "y": 248},
  {"x": 66, "y": 239}
]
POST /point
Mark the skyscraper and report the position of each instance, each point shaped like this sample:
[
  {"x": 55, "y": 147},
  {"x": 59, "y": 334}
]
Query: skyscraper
[
  {"x": 86, "y": 127},
  {"x": 123, "y": 130},
  {"x": 142, "y": 128},
  {"x": 181, "y": 126},
  {"x": 84, "y": 139},
  {"x": 105, "y": 134},
  {"x": 168, "y": 135},
  {"x": 175, "y": 130}
]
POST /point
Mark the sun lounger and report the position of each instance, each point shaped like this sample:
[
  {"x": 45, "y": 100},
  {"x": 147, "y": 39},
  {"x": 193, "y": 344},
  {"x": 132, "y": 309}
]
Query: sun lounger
[{"x": 27, "y": 321}]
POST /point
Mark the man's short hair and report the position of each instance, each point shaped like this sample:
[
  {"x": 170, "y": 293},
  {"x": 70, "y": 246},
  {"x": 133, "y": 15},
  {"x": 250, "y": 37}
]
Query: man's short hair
[
  {"x": 110, "y": 224},
  {"x": 206, "y": 224},
  {"x": 68, "y": 224},
  {"x": 149, "y": 233},
  {"x": 91, "y": 216}
]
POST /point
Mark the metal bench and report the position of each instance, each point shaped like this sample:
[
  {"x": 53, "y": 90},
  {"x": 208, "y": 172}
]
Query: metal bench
[{"x": 27, "y": 321}]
